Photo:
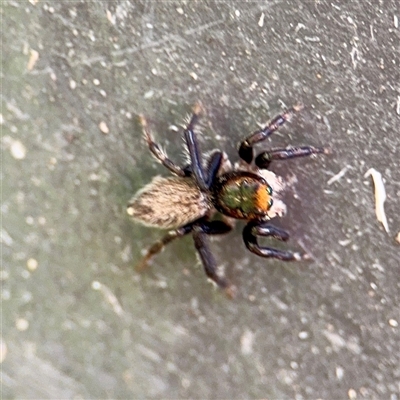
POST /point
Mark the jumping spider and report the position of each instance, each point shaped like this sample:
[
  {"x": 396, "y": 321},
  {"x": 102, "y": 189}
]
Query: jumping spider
[{"x": 186, "y": 202}]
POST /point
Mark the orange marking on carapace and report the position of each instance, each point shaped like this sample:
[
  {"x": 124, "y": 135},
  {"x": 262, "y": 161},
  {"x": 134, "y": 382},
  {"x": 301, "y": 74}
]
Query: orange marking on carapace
[{"x": 262, "y": 198}]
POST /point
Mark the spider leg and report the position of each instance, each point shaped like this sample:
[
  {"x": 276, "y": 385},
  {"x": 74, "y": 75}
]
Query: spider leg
[
  {"x": 160, "y": 244},
  {"x": 264, "y": 159},
  {"x": 213, "y": 165},
  {"x": 256, "y": 228},
  {"x": 157, "y": 152},
  {"x": 194, "y": 151},
  {"x": 246, "y": 146},
  {"x": 210, "y": 265},
  {"x": 200, "y": 229}
]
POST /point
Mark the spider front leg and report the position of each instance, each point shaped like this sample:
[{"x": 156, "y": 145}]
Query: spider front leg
[
  {"x": 157, "y": 152},
  {"x": 246, "y": 146},
  {"x": 257, "y": 228},
  {"x": 213, "y": 166},
  {"x": 264, "y": 159},
  {"x": 196, "y": 164}
]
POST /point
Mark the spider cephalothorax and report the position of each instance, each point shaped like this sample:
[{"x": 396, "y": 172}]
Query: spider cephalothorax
[{"x": 186, "y": 202}]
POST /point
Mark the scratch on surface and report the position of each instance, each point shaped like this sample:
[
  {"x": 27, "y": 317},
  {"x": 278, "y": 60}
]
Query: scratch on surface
[
  {"x": 166, "y": 39},
  {"x": 109, "y": 296},
  {"x": 371, "y": 28},
  {"x": 339, "y": 175},
  {"x": 380, "y": 196},
  {"x": 145, "y": 46},
  {"x": 173, "y": 38},
  {"x": 203, "y": 27}
]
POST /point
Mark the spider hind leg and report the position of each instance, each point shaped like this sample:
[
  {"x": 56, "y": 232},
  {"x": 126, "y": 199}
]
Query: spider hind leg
[
  {"x": 207, "y": 258},
  {"x": 158, "y": 246},
  {"x": 200, "y": 229}
]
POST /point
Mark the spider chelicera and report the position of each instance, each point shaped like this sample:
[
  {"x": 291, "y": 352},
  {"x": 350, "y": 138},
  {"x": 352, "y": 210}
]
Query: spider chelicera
[{"x": 187, "y": 202}]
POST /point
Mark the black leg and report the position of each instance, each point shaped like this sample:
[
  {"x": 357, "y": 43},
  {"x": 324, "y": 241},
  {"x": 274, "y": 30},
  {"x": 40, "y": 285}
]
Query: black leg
[
  {"x": 255, "y": 228},
  {"x": 215, "y": 227},
  {"x": 194, "y": 151},
  {"x": 213, "y": 165},
  {"x": 246, "y": 146},
  {"x": 158, "y": 152},
  {"x": 200, "y": 229},
  {"x": 264, "y": 159},
  {"x": 209, "y": 263}
]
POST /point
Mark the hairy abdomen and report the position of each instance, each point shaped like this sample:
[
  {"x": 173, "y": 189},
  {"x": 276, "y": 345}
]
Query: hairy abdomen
[{"x": 168, "y": 203}]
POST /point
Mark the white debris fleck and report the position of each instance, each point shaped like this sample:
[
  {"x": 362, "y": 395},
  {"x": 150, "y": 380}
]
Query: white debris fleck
[
  {"x": 246, "y": 342},
  {"x": 335, "y": 339},
  {"x": 34, "y": 56},
  {"x": 355, "y": 56},
  {"x": 303, "y": 335},
  {"x": 149, "y": 94},
  {"x": 261, "y": 20},
  {"x": 18, "y": 150},
  {"x": 299, "y": 26},
  {"x": 104, "y": 128},
  {"x": 96, "y": 285},
  {"x": 5, "y": 237},
  {"x": 3, "y": 350},
  {"x": 352, "y": 394},
  {"x": 32, "y": 264},
  {"x": 339, "y": 373},
  {"x": 314, "y": 39},
  {"x": 393, "y": 323},
  {"x": 111, "y": 18},
  {"x": 395, "y": 21},
  {"x": 380, "y": 196},
  {"x": 294, "y": 365},
  {"x": 22, "y": 324}
]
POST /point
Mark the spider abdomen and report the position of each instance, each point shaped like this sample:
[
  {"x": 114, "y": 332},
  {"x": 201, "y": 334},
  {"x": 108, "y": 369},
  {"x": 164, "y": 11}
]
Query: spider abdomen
[{"x": 168, "y": 203}]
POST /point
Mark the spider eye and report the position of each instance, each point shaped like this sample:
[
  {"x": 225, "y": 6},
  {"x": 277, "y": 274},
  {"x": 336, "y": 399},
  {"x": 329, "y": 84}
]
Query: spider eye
[
  {"x": 269, "y": 190},
  {"x": 270, "y": 202}
]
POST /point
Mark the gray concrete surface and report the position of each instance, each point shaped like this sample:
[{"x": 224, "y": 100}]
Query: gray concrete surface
[{"x": 77, "y": 320}]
